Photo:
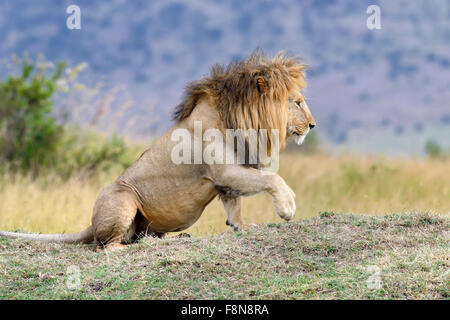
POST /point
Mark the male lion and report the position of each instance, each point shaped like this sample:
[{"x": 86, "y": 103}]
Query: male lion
[{"x": 155, "y": 195}]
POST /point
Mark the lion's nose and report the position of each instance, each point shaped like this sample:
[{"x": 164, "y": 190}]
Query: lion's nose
[{"x": 311, "y": 125}]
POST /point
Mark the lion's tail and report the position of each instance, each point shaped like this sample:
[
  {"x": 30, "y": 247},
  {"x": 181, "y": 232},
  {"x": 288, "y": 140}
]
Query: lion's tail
[{"x": 85, "y": 236}]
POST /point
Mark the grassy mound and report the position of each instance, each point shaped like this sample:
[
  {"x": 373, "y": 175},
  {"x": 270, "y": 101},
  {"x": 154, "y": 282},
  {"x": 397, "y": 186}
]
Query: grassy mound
[{"x": 333, "y": 256}]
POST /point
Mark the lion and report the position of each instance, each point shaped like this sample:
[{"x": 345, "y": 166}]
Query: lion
[{"x": 155, "y": 196}]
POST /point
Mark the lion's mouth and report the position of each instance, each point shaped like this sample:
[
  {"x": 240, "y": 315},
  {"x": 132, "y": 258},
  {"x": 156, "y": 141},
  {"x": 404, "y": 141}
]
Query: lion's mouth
[{"x": 299, "y": 138}]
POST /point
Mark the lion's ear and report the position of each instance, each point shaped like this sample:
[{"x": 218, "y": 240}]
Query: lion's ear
[{"x": 261, "y": 84}]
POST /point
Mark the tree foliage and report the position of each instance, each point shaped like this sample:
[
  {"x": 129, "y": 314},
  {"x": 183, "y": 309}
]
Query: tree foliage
[
  {"x": 32, "y": 139},
  {"x": 29, "y": 134}
]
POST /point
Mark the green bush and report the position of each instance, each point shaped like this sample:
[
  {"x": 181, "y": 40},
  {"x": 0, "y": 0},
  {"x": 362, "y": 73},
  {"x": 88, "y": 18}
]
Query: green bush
[
  {"x": 29, "y": 134},
  {"x": 434, "y": 150},
  {"x": 84, "y": 150},
  {"x": 31, "y": 139}
]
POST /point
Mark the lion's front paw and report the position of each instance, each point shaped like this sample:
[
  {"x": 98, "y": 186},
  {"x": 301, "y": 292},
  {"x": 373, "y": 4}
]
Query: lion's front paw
[
  {"x": 285, "y": 207},
  {"x": 284, "y": 200}
]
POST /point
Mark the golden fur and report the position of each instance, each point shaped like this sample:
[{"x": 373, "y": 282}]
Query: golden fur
[
  {"x": 155, "y": 195},
  {"x": 251, "y": 94}
]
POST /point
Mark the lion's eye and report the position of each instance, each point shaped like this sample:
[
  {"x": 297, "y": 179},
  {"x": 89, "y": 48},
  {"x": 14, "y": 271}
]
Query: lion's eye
[{"x": 298, "y": 104}]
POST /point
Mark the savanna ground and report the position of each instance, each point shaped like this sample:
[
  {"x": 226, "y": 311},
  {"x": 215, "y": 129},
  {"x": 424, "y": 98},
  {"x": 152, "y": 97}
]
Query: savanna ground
[
  {"x": 392, "y": 243},
  {"x": 333, "y": 256}
]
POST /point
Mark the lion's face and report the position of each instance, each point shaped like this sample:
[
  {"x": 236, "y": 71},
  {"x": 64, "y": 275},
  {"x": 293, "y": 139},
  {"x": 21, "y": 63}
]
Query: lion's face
[{"x": 300, "y": 119}]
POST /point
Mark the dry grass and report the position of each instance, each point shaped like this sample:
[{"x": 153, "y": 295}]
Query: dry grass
[
  {"x": 369, "y": 185},
  {"x": 334, "y": 256}
]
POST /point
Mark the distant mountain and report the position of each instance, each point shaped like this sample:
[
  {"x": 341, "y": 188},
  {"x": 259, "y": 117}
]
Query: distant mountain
[{"x": 396, "y": 79}]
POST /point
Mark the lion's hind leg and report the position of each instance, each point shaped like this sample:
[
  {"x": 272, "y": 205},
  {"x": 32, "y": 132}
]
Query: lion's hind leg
[{"x": 113, "y": 220}]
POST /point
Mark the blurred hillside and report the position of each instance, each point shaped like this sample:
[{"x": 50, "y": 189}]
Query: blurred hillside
[{"x": 370, "y": 90}]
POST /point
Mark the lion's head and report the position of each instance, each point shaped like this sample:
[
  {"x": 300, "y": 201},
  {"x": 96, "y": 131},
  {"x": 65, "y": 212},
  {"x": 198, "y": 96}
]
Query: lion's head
[
  {"x": 250, "y": 94},
  {"x": 300, "y": 119}
]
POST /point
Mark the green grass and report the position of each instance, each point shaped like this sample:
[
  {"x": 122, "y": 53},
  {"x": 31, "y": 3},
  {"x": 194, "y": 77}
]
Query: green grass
[{"x": 332, "y": 256}]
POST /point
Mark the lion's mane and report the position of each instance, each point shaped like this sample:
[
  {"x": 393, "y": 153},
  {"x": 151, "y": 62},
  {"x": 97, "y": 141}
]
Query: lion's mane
[{"x": 249, "y": 94}]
